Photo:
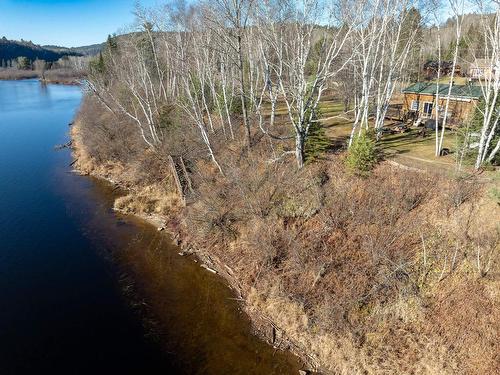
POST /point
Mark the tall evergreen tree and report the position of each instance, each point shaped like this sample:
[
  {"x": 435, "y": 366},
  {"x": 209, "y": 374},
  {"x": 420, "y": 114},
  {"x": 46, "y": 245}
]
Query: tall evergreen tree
[{"x": 317, "y": 142}]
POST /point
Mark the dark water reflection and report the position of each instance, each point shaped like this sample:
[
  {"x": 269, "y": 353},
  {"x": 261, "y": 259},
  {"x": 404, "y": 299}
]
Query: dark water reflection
[{"x": 86, "y": 291}]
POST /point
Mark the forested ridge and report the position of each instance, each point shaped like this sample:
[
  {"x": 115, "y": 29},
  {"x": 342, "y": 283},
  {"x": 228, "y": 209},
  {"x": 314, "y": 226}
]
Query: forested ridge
[
  {"x": 12, "y": 49},
  {"x": 24, "y": 59},
  {"x": 90, "y": 50},
  {"x": 211, "y": 117}
]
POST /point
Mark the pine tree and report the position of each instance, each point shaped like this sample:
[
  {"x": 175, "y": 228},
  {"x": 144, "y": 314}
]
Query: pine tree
[
  {"x": 97, "y": 66},
  {"x": 112, "y": 43},
  {"x": 362, "y": 155},
  {"x": 467, "y": 137},
  {"x": 317, "y": 142},
  {"x": 101, "y": 62}
]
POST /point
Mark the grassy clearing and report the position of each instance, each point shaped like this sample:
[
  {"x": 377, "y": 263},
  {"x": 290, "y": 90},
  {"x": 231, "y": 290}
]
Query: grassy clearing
[
  {"x": 413, "y": 142},
  {"x": 408, "y": 148}
]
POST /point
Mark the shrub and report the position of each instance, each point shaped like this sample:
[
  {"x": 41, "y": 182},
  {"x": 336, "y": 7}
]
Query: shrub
[
  {"x": 460, "y": 190},
  {"x": 362, "y": 155}
]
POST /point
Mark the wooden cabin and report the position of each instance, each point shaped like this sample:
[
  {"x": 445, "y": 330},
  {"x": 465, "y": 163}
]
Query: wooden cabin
[{"x": 420, "y": 100}]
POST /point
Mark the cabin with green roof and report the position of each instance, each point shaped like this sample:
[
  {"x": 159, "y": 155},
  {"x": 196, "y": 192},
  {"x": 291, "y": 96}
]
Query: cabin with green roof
[{"x": 420, "y": 101}]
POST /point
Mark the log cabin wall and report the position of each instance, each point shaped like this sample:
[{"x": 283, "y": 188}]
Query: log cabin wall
[{"x": 460, "y": 109}]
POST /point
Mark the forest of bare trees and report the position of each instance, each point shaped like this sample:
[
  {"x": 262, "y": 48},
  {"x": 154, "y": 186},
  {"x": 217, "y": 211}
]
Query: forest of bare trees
[{"x": 235, "y": 67}]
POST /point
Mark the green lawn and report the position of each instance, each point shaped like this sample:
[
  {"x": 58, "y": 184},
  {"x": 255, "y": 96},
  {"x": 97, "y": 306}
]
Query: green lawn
[
  {"x": 407, "y": 148},
  {"x": 413, "y": 150}
]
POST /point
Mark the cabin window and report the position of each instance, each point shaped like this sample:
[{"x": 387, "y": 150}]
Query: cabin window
[
  {"x": 414, "y": 105},
  {"x": 427, "y": 109}
]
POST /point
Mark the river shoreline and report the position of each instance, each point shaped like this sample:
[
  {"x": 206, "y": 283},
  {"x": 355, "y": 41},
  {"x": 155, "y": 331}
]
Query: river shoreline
[
  {"x": 263, "y": 326},
  {"x": 69, "y": 82},
  {"x": 64, "y": 308},
  {"x": 20, "y": 75}
]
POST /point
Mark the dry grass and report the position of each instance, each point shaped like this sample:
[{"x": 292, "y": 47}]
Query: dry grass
[
  {"x": 149, "y": 200},
  {"x": 14, "y": 74},
  {"x": 337, "y": 262},
  {"x": 61, "y": 75}
]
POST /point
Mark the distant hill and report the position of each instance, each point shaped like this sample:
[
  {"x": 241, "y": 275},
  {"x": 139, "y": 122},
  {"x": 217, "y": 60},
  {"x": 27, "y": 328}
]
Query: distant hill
[
  {"x": 12, "y": 49},
  {"x": 90, "y": 50}
]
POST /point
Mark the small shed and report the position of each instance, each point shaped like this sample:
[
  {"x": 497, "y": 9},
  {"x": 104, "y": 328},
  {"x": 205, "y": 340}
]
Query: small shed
[{"x": 481, "y": 69}]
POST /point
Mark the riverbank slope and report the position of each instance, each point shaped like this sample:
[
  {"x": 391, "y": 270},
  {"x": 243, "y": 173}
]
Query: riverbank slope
[{"x": 396, "y": 273}]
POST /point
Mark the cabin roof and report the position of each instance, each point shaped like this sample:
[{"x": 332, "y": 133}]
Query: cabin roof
[
  {"x": 434, "y": 64},
  {"x": 457, "y": 91}
]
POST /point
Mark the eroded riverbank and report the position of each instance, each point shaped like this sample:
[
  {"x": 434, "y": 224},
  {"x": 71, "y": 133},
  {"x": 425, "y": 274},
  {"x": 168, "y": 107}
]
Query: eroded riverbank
[{"x": 131, "y": 204}]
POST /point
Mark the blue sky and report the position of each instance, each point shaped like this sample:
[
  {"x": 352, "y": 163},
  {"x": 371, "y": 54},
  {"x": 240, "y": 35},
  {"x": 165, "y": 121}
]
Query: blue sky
[{"x": 69, "y": 23}]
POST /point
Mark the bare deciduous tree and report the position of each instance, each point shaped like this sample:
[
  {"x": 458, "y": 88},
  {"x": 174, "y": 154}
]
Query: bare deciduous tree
[
  {"x": 382, "y": 45},
  {"x": 230, "y": 20},
  {"x": 489, "y": 82},
  {"x": 300, "y": 56}
]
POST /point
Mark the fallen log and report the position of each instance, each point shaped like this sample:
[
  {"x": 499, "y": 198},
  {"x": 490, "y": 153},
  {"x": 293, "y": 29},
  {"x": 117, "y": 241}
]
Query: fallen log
[
  {"x": 64, "y": 145},
  {"x": 208, "y": 268}
]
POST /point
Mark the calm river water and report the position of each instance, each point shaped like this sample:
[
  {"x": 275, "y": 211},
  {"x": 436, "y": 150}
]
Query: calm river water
[{"x": 84, "y": 290}]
